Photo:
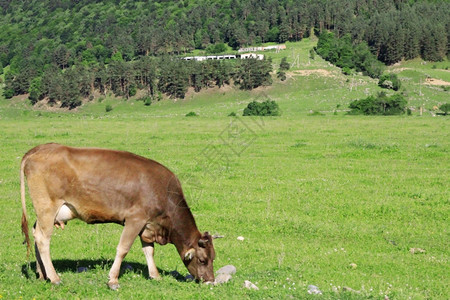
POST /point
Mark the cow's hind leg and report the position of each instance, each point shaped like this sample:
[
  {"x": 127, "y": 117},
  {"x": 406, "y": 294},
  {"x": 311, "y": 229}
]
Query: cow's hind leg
[
  {"x": 46, "y": 210},
  {"x": 129, "y": 234},
  {"x": 39, "y": 265},
  {"x": 42, "y": 235},
  {"x": 149, "y": 250}
]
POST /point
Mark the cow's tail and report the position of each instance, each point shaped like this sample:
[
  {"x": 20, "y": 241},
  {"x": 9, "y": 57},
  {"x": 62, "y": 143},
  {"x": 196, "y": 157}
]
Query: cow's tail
[{"x": 25, "y": 229}]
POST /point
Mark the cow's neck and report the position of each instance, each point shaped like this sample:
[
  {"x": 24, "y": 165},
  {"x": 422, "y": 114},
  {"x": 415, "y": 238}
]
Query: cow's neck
[{"x": 184, "y": 234}]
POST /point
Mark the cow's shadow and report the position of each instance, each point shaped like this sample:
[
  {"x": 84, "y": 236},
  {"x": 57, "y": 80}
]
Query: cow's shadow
[{"x": 85, "y": 265}]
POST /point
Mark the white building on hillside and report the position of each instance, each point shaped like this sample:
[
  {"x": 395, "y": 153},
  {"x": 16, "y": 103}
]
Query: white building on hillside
[{"x": 252, "y": 55}]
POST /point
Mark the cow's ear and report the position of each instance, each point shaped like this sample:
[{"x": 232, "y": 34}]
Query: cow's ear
[{"x": 189, "y": 255}]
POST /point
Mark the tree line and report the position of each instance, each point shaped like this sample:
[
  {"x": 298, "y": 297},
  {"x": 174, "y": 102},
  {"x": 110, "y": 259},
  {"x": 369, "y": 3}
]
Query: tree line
[
  {"x": 155, "y": 75},
  {"x": 37, "y": 35}
]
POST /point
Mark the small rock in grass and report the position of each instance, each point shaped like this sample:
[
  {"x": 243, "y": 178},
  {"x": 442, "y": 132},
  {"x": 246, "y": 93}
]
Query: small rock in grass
[
  {"x": 222, "y": 278},
  {"x": 417, "y": 250},
  {"x": 250, "y": 285},
  {"x": 82, "y": 269},
  {"x": 228, "y": 269},
  {"x": 312, "y": 289},
  {"x": 240, "y": 238},
  {"x": 353, "y": 265}
]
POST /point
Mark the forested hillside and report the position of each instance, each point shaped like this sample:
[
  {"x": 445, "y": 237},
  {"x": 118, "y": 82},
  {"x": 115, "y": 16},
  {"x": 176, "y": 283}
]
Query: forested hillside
[{"x": 92, "y": 38}]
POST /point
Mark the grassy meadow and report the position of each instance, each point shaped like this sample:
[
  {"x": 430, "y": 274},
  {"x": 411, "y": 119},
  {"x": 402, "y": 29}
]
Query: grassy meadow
[{"x": 356, "y": 205}]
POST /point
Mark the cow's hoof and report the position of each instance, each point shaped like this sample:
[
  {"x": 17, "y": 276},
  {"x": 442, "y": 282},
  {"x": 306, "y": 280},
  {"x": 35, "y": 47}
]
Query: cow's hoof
[
  {"x": 155, "y": 276},
  {"x": 57, "y": 282},
  {"x": 113, "y": 286}
]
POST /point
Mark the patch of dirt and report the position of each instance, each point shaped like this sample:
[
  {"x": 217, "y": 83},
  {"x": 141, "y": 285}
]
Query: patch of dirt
[
  {"x": 21, "y": 98},
  {"x": 45, "y": 104},
  {"x": 261, "y": 89},
  {"x": 190, "y": 93},
  {"x": 434, "y": 81},
  {"x": 398, "y": 70},
  {"x": 320, "y": 72}
]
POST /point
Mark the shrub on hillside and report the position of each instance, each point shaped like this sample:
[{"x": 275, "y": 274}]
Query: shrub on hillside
[
  {"x": 217, "y": 48},
  {"x": 445, "y": 108},
  {"x": 266, "y": 108},
  {"x": 191, "y": 114},
  {"x": 389, "y": 81},
  {"x": 35, "y": 90},
  {"x": 312, "y": 53},
  {"x": 347, "y": 71},
  {"x": 281, "y": 75},
  {"x": 8, "y": 93},
  {"x": 132, "y": 91},
  {"x": 379, "y": 105},
  {"x": 147, "y": 100},
  {"x": 284, "y": 65}
]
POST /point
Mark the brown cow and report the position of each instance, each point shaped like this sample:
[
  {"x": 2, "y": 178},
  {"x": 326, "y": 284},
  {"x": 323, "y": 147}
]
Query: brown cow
[{"x": 106, "y": 186}]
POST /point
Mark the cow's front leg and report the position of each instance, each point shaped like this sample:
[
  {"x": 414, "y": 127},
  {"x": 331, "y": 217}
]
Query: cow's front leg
[
  {"x": 129, "y": 234},
  {"x": 149, "y": 250}
]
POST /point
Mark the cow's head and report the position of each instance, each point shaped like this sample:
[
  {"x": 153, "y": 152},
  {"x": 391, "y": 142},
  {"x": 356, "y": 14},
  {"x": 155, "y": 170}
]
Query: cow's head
[{"x": 199, "y": 259}]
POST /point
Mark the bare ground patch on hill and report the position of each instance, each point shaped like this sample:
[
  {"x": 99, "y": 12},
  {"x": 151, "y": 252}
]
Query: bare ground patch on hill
[{"x": 434, "y": 81}]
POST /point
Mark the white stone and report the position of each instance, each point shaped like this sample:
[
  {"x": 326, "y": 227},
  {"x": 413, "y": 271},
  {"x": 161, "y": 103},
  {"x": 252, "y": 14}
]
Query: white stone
[
  {"x": 228, "y": 269},
  {"x": 222, "y": 278},
  {"x": 240, "y": 238},
  {"x": 417, "y": 250},
  {"x": 250, "y": 285},
  {"x": 312, "y": 289}
]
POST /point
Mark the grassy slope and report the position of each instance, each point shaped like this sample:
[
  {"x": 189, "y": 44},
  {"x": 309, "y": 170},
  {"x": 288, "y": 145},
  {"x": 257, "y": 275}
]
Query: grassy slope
[{"x": 311, "y": 195}]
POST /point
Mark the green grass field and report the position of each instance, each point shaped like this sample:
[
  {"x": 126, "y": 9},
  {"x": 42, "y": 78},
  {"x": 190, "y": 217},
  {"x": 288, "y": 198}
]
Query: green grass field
[{"x": 311, "y": 195}]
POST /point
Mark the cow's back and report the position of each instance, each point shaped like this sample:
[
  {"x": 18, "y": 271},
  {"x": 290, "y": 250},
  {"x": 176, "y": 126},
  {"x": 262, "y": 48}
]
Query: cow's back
[{"x": 102, "y": 185}]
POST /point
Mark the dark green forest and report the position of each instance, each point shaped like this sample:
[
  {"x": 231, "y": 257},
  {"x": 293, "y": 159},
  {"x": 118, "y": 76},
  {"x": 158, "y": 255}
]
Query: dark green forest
[{"x": 65, "y": 50}]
